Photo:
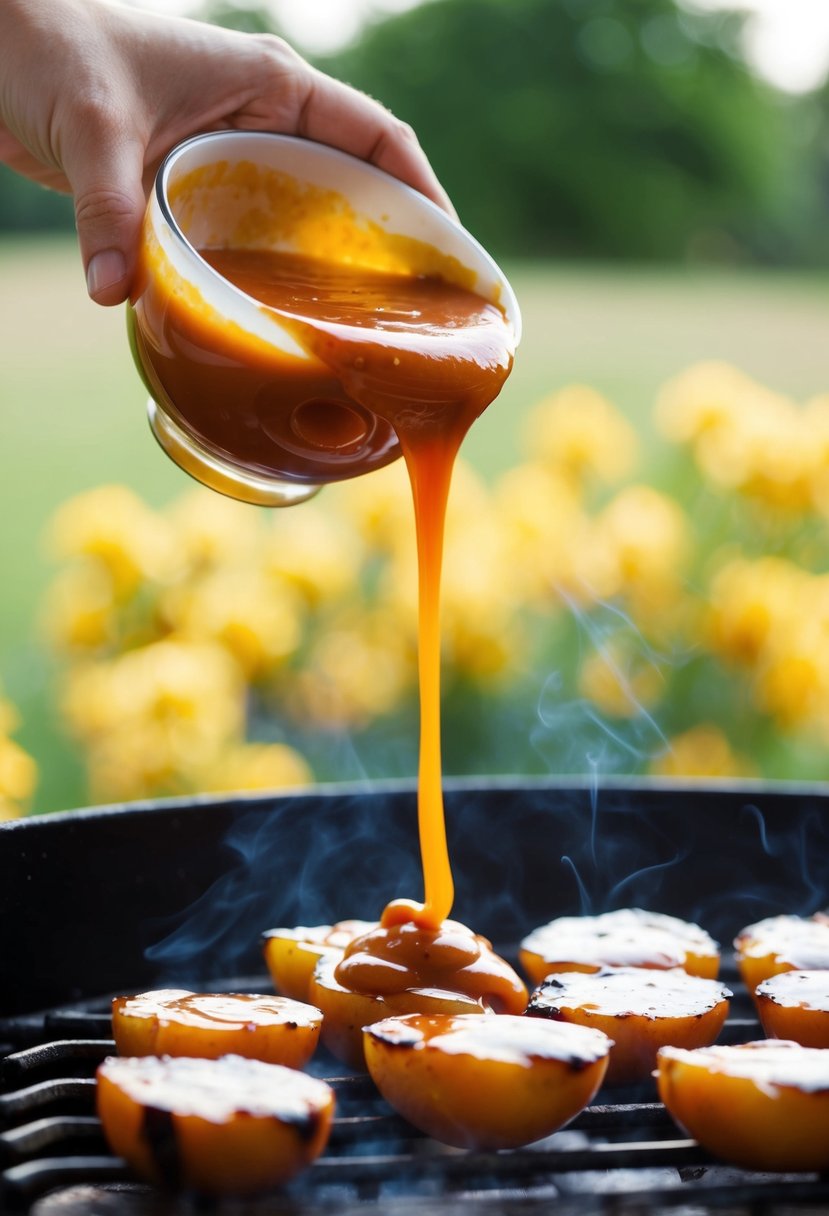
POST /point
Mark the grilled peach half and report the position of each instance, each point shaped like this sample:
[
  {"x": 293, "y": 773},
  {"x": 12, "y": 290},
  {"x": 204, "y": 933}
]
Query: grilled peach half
[
  {"x": 175, "y": 1022},
  {"x": 629, "y": 937},
  {"x": 404, "y": 967},
  {"x": 795, "y": 1005},
  {"x": 346, "y": 1013},
  {"x": 292, "y": 954},
  {"x": 641, "y": 1010},
  {"x": 217, "y": 1127},
  {"x": 484, "y": 1081},
  {"x": 782, "y": 943},
  {"x": 762, "y": 1105}
]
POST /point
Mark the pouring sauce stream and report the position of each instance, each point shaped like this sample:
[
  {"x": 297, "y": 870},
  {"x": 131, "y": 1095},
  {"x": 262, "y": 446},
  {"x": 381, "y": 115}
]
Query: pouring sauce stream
[{"x": 423, "y": 356}]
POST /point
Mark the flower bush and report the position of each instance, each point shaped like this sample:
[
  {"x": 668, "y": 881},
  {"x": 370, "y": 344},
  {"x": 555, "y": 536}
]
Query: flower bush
[
  {"x": 18, "y": 772},
  {"x": 598, "y": 614}
]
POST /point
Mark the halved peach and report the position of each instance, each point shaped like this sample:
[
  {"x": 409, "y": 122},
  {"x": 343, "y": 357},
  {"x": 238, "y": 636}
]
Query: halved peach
[
  {"x": 629, "y": 937},
  {"x": 403, "y": 966},
  {"x": 485, "y": 1082},
  {"x": 640, "y": 1009},
  {"x": 227, "y": 1126},
  {"x": 175, "y": 1022},
  {"x": 292, "y": 954},
  {"x": 782, "y": 943},
  {"x": 346, "y": 1013},
  {"x": 795, "y": 1005},
  {"x": 762, "y": 1105}
]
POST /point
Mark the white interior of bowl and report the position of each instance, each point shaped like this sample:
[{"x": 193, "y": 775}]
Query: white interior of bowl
[{"x": 373, "y": 194}]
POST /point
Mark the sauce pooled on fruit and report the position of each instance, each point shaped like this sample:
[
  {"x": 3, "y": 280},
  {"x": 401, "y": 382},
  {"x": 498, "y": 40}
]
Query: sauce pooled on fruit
[{"x": 401, "y": 955}]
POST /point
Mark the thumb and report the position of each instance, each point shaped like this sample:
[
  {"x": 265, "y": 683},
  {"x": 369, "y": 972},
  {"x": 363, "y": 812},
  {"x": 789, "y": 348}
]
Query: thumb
[{"x": 109, "y": 207}]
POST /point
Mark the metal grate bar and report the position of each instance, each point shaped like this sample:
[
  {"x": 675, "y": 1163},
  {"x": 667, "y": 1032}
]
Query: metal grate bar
[
  {"x": 24, "y": 1100},
  {"x": 45, "y": 1133},
  {"x": 56, "y": 1052},
  {"x": 70, "y": 1023},
  {"x": 34, "y": 1177},
  {"x": 623, "y": 1114},
  {"x": 449, "y": 1164}
]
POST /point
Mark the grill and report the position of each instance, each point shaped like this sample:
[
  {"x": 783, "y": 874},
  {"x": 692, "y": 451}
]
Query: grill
[{"x": 119, "y": 899}]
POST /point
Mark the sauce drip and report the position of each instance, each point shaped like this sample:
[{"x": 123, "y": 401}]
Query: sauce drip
[
  {"x": 393, "y": 356},
  {"x": 401, "y": 955}
]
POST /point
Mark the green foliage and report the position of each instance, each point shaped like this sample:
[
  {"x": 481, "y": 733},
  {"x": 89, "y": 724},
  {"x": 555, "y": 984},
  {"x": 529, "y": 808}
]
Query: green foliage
[
  {"x": 601, "y": 127},
  {"x": 598, "y": 128},
  {"x": 26, "y": 207},
  {"x": 250, "y": 18}
]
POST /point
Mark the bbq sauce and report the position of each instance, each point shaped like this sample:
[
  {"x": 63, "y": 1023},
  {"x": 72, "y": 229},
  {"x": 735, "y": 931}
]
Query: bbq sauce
[
  {"x": 403, "y": 956},
  {"x": 391, "y": 362}
]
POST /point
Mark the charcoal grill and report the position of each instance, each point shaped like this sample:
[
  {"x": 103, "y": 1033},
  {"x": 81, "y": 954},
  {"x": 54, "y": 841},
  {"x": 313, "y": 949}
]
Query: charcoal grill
[{"x": 119, "y": 899}]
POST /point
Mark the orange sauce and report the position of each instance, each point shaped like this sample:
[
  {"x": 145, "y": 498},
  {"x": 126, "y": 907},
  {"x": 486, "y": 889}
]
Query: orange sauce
[
  {"x": 404, "y": 955},
  {"x": 396, "y": 361}
]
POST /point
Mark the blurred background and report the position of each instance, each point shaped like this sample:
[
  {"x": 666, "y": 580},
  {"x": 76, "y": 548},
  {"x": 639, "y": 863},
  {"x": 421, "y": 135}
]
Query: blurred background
[{"x": 637, "y": 553}]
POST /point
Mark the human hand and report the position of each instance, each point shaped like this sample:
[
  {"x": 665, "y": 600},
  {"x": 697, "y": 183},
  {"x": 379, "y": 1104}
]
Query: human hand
[{"x": 93, "y": 95}]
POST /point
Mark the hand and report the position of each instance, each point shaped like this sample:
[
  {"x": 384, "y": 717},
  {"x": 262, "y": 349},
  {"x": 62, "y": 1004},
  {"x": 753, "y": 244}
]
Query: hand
[{"x": 93, "y": 96}]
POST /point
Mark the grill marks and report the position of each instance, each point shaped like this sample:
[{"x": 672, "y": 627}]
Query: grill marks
[
  {"x": 306, "y": 1125},
  {"x": 159, "y": 1132}
]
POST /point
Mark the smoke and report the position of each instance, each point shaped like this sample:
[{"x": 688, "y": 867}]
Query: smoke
[
  {"x": 798, "y": 848},
  {"x": 523, "y": 851},
  {"x": 307, "y": 860},
  {"x": 571, "y": 734}
]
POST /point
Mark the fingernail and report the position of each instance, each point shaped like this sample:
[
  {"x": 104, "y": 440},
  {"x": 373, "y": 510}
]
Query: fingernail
[{"x": 104, "y": 269}]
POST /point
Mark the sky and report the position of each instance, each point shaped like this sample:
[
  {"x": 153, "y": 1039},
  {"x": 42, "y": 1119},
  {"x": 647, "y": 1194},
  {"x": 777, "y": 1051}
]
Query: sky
[{"x": 786, "y": 40}]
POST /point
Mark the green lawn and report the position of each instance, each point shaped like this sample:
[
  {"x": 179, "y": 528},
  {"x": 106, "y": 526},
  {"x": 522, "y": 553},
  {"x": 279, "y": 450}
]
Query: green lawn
[{"x": 72, "y": 409}]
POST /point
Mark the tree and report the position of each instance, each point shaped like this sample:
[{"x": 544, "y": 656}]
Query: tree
[{"x": 616, "y": 128}]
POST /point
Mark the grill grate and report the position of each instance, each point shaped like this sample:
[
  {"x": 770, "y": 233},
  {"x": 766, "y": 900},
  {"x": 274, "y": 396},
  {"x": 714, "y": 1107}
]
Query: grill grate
[{"x": 621, "y": 1155}]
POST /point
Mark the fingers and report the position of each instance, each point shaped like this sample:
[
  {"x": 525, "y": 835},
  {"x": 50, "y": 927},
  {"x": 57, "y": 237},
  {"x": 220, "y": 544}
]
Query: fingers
[
  {"x": 334, "y": 113},
  {"x": 105, "y": 174}
]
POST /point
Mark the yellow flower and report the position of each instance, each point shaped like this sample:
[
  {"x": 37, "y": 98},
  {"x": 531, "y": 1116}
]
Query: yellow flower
[
  {"x": 545, "y": 535},
  {"x": 316, "y": 550},
  {"x": 85, "y": 700},
  {"x": 770, "y": 456},
  {"x": 480, "y": 631},
  {"x": 113, "y": 525},
  {"x": 8, "y": 810},
  {"x": 18, "y": 771},
  {"x": 702, "y": 751},
  {"x": 793, "y": 686},
  {"x": 379, "y": 505},
  {"x": 80, "y": 609},
  {"x": 479, "y": 635},
  {"x": 18, "y": 777},
  {"x": 639, "y": 549},
  {"x": 257, "y": 619},
  {"x": 211, "y": 530},
  {"x": 749, "y": 602},
  {"x": 745, "y": 436},
  {"x": 257, "y": 766},
  {"x": 702, "y": 399},
  {"x": 140, "y": 763},
  {"x": 358, "y": 669},
  {"x": 792, "y": 681},
  {"x": 816, "y": 425},
  {"x": 154, "y": 717},
  {"x": 577, "y": 432},
  {"x": 620, "y": 682}
]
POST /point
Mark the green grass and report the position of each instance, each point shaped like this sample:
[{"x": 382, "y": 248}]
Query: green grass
[{"x": 72, "y": 408}]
